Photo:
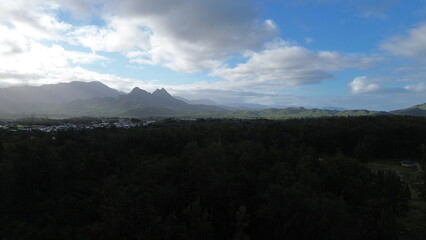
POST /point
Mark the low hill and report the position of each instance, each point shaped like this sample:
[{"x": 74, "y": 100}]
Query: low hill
[
  {"x": 418, "y": 110},
  {"x": 286, "y": 113}
]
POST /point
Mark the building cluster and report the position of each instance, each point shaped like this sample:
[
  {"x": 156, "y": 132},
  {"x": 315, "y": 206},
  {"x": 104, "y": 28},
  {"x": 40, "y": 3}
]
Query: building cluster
[{"x": 119, "y": 123}]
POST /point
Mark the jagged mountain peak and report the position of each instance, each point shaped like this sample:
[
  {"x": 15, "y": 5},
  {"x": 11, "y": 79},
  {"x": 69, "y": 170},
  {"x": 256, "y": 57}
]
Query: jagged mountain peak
[
  {"x": 161, "y": 92},
  {"x": 138, "y": 91}
]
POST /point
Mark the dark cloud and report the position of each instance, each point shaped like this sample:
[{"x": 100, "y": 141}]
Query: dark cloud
[{"x": 186, "y": 35}]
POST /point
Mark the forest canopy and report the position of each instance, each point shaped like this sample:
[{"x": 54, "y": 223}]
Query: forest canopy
[{"x": 209, "y": 179}]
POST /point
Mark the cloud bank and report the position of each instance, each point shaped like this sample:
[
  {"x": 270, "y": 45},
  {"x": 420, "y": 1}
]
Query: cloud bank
[
  {"x": 232, "y": 44},
  {"x": 285, "y": 65}
]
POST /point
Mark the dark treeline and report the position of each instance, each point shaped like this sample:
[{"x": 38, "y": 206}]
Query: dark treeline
[{"x": 209, "y": 179}]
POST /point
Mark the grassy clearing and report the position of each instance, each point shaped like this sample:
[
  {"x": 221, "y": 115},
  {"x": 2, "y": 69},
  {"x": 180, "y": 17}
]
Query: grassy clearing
[
  {"x": 414, "y": 222},
  {"x": 410, "y": 174}
]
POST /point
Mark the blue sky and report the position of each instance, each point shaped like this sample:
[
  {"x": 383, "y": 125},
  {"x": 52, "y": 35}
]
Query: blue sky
[{"x": 313, "y": 53}]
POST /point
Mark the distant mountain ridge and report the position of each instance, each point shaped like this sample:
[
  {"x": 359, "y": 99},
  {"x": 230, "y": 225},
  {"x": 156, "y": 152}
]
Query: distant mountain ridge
[
  {"x": 61, "y": 92},
  {"x": 96, "y": 99},
  {"x": 135, "y": 104}
]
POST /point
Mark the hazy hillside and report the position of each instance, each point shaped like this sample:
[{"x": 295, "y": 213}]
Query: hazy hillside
[
  {"x": 27, "y": 98},
  {"x": 138, "y": 103},
  {"x": 96, "y": 99},
  {"x": 286, "y": 113},
  {"x": 197, "y": 101}
]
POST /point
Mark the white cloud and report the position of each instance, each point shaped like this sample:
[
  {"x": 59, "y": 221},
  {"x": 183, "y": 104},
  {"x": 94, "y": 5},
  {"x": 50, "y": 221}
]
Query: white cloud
[
  {"x": 120, "y": 35},
  {"x": 420, "y": 87},
  {"x": 412, "y": 44},
  {"x": 11, "y": 42},
  {"x": 37, "y": 57},
  {"x": 24, "y": 61},
  {"x": 285, "y": 65},
  {"x": 69, "y": 74},
  {"x": 362, "y": 85},
  {"x": 32, "y": 18},
  {"x": 30, "y": 51},
  {"x": 62, "y": 71}
]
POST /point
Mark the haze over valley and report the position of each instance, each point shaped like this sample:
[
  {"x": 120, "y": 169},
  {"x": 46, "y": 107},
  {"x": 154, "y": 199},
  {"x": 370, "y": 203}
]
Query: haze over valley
[{"x": 97, "y": 100}]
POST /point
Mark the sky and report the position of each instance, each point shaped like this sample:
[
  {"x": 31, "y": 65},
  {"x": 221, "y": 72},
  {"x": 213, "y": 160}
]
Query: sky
[{"x": 351, "y": 54}]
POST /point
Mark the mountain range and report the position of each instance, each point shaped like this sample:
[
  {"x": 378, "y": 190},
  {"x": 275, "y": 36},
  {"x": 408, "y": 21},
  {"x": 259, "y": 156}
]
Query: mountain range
[{"x": 96, "y": 99}]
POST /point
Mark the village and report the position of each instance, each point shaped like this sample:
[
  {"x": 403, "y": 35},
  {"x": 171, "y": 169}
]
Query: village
[{"x": 75, "y": 125}]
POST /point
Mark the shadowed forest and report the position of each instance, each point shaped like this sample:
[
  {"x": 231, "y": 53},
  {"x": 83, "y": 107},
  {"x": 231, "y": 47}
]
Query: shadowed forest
[{"x": 212, "y": 179}]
